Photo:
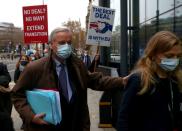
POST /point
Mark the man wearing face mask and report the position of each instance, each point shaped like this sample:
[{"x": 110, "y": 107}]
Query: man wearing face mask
[{"x": 66, "y": 73}]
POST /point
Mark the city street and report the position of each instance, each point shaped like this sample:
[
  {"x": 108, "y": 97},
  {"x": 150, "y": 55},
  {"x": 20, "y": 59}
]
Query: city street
[
  {"x": 137, "y": 41},
  {"x": 11, "y": 64}
]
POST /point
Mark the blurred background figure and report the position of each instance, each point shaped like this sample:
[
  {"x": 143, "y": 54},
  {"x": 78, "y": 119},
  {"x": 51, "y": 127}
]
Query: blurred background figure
[
  {"x": 6, "y": 122},
  {"x": 86, "y": 58},
  {"x": 33, "y": 54},
  {"x": 78, "y": 53},
  {"x": 22, "y": 62},
  {"x": 5, "y": 100},
  {"x": 46, "y": 52},
  {"x": 37, "y": 55},
  {"x": 95, "y": 63}
]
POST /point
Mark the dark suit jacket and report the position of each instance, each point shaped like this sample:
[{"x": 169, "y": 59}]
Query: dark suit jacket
[
  {"x": 88, "y": 62},
  {"x": 5, "y": 99},
  {"x": 42, "y": 74},
  {"x": 5, "y": 77}
]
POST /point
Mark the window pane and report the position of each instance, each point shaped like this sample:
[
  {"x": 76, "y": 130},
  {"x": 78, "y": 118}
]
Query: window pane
[
  {"x": 178, "y": 28},
  {"x": 166, "y": 21},
  {"x": 178, "y": 12},
  {"x": 165, "y": 5},
  {"x": 142, "y": 10},
  {"x": 151, "y": 8},
  {"x": 115, "y": 4},
  {"x": 115, "y": 41},
  {"x": 142, "y": 39},
  {"x": 178, "y": 2},
  {"x": 150, "y": 29},
  {"x": 146, "y": 31}
]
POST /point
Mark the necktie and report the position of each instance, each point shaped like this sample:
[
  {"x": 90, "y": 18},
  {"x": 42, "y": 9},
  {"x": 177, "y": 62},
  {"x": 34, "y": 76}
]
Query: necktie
[
  {"x": 63, "y": 82},
  {"x": 85, "y": 60}
]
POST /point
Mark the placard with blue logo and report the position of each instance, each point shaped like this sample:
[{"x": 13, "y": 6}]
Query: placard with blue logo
[{"x": 100, "y": 26}]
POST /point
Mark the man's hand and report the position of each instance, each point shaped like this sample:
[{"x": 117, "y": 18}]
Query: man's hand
[
  {"x": 97, "y": 57},
  {"x": 125, "y": 79},
  {"x": 38, "y": 119}
]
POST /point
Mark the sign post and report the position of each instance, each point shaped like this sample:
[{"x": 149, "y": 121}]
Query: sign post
[{"x": 35, "y": 24}]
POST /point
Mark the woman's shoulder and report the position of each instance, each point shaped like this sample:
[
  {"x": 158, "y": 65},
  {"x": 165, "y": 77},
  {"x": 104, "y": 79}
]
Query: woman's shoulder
[
  {"x": 135, "y": 76},
  {"x": 134, "y": 82}
]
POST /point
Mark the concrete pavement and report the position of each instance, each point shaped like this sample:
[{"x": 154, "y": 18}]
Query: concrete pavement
[{"x": 93, "y": 102}]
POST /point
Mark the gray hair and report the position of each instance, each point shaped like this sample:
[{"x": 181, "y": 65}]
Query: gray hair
[{"x": 57, "y": 30}]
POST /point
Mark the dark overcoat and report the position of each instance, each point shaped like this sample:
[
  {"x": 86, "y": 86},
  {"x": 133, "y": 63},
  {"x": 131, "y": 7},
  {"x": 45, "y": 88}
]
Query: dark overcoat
[
  {"x": 42, "y": 74},
  {"x": 5, "y": 99}
]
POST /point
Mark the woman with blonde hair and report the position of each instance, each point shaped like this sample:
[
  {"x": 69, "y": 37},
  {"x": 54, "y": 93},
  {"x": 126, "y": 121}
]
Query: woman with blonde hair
[{"x": 151, "y": 101}]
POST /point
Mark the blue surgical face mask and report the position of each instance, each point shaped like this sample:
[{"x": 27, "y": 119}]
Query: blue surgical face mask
[
  {"x": 169, "y": 64},
  {"x": 64, "y": 51}
]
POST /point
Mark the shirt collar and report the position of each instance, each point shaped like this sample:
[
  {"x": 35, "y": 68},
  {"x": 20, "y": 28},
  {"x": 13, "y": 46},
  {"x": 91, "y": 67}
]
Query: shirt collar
[{"x": 59, "y": 63}]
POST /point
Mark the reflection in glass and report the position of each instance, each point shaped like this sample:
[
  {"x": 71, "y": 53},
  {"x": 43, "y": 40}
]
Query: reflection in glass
[
  {"x": 150, "y": 29},
  {"x": 178, "y": 18},
  {"x": 178, "y": 12},
  {"x": 142, "y": 39},
  {"x": 165, "y": 5},
  {"x": 146, "y": 31},
  {"x": 142, "y": 10},
  {"x": 115, "y": 41},
  {"x": 166, "y": 21},
  {"x": 115, "y": 4},
  {"x": 178, "y": 3},
  {"x": 151, "y": 8}
]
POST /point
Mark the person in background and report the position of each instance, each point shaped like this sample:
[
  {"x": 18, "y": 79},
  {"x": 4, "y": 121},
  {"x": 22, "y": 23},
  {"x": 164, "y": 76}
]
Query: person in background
[
  {"x": 63, "y": 71},
  {"x": 46, "y": 52},
  {"x": 6, "y": 122},
  {"x": 5, "y": 95},
  {"x": 78, "y": 53},
  {"x": 37, "y": 55},
  {"x": 21, "y": 64},
  {"x": 95, "y": 63},
  {"x": 151, "y": 100},
  {"x": 86, "y": 58}
]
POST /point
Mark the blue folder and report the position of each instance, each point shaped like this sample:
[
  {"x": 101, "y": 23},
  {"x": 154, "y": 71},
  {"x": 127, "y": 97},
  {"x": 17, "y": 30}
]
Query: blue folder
[{"x": 46, "y": 101}]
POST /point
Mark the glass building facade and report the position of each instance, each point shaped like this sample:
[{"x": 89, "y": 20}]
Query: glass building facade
[
  {"x": 153, "y": 16},
  {"x": 157, "y": 15},
  {"x": 115, "y": 43}
]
